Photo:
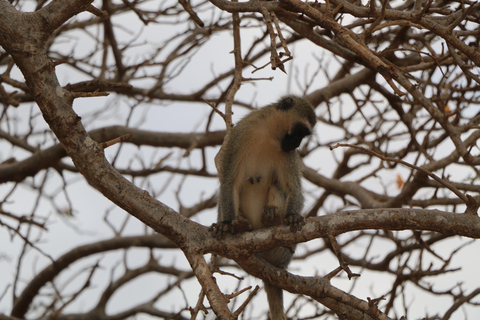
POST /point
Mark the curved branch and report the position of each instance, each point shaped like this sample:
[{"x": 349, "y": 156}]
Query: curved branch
[
  {"x": 239, "y": 246},
  {"x": 24, "y": 300}
]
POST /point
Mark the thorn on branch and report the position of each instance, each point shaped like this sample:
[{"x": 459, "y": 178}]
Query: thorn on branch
[
  {"x": 220, "y": 113},
  {"x": 373, "y": 304},
  {"x": 110, "y": 143},
  {"x": 190, "y": 148},
  {"x": 472, "y": 205},
  {"x": 281, "y": 62},
  {"x": 99, "y": 13}
]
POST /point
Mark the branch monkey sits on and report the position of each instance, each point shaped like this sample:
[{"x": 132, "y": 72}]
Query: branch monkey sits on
[{"x": 260, "y": 183}]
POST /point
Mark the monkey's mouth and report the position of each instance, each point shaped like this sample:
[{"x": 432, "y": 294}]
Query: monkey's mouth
[{"x": 292, "y": 140}]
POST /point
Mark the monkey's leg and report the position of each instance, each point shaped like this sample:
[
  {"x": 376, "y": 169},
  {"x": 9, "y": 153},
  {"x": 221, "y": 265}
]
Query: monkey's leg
[{"x": 272, "y": 214}]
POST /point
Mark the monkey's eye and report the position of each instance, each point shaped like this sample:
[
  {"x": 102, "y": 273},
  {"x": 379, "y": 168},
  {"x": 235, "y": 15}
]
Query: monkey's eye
[{"x": 285, "y": 104}]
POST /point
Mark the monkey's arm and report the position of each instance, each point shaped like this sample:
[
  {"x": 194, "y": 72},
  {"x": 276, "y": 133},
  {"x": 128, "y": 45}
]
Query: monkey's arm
[
  {"x": 229, "y": 219},
  {"x": 295, "y": 221},
  {"x": 226, "y": 212},
  {"x": 293, "y": 217},
  {"x": 295, "y": 201}
]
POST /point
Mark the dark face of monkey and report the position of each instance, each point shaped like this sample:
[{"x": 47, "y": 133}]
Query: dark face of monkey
[{"x": 295, "y": 135}]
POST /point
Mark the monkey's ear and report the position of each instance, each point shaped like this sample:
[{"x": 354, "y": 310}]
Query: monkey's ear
[
  {"x": 292, "y": 140},
  {"x": 285, "y": 104}
]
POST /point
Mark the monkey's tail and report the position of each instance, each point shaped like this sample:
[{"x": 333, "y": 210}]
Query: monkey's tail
[{"x": 275, "y": 302}]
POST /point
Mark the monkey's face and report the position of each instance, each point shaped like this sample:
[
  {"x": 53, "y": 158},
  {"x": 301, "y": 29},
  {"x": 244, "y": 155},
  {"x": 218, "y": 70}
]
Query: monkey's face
[
  {"x": 292, "y": 139},
  {"x": 300, "y": 121}
]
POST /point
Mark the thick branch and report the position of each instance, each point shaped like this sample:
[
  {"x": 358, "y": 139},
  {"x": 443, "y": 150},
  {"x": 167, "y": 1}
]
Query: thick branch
[
  {"x": 18, "y": 171},
  {"x": 345, "y": 221}
]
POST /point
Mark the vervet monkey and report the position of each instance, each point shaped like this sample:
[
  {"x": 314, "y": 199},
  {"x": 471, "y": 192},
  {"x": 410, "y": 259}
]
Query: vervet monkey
[{"x": 260, "y": 182}]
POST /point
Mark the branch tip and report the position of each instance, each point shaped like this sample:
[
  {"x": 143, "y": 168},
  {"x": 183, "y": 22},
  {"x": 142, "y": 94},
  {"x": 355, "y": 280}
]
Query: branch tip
[
  {"x": 124, "y": 138},
  {"x": 99, "y": 13}
]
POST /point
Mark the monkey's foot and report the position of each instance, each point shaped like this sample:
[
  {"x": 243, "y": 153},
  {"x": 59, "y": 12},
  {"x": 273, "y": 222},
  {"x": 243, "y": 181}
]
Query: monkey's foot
[
  {"x": 271, "y": 216},
  {"x": 220, "y": 230},
  {"x": 295, "y": 221},
  {"x": 241, "y": 224}
]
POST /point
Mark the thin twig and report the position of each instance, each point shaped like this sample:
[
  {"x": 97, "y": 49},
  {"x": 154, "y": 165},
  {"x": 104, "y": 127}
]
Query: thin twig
[
  {"x": 446, "y": 184},
  {"x": 274, "y": 58},
  {"x": 280, "y": 35},
  {"x": 188, "y": 8},
  {"x": 338, "y": 253},
  {"x": 99, "y": 13},
  {"x": 220, "y": 113},
  {"x": 237, "y": 81},
  {"x": 110, "y": 143},
  {"x": 89, "y": 94},
  {"x": 245, "y": 303}
]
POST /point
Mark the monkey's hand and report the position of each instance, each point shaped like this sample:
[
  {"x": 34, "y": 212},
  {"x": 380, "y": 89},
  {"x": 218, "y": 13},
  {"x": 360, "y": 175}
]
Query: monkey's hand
[
  {"x": 240, "y": 224},
  {"x": 271, "y": 216},
  {"x": 295, "y": 221}
]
